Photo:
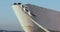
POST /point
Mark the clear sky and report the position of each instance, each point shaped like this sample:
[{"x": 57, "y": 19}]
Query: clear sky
[{"x": 8, "y": 19}]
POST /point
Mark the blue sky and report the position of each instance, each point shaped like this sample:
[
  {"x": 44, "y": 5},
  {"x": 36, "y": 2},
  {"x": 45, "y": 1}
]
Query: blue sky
[{"x": 7, "y": 16}]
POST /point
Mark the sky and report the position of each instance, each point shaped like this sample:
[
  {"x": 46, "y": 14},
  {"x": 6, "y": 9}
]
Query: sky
[{"x": 8, "y": 20}]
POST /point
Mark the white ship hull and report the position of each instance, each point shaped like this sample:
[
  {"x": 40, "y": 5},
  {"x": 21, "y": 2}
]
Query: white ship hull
[{"x": 26, "y": 21}]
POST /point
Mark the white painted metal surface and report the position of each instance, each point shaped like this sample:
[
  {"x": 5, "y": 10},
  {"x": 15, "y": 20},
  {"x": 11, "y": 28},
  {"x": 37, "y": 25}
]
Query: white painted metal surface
[{"x": 27, "y": 23}]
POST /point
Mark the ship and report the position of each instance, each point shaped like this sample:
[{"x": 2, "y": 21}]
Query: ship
[{"x": 34, "y": 18}]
